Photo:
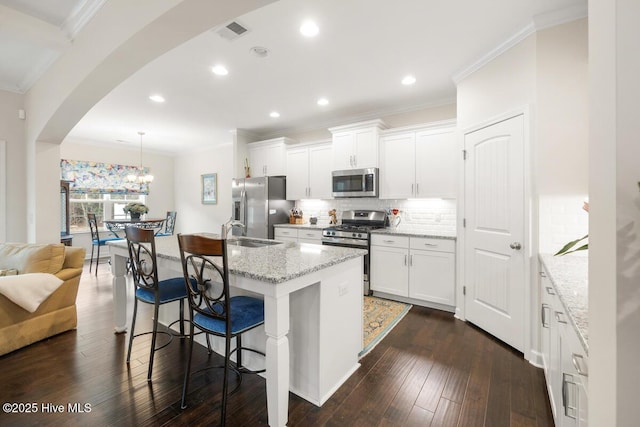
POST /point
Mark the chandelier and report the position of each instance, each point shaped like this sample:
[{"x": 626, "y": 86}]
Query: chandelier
[{"x": 140, "y": 176}]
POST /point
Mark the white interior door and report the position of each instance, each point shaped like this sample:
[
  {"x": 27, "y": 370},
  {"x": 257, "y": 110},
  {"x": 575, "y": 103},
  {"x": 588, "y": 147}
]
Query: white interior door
[{"x": 494, "y": 232}]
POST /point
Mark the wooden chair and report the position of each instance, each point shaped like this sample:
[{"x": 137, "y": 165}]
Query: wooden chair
[
  {"x": 213, "y": 310},
  {"x": 150, "y": 290},
  {"x": 96, "y": 241},
  {"x": 169, "y": 224}
]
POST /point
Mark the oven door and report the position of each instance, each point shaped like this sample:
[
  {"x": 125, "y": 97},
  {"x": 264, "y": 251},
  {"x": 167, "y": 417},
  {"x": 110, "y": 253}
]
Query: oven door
[{"x": 351, "y": 243}]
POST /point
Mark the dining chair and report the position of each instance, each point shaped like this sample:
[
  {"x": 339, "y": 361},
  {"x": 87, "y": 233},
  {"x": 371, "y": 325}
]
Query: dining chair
[
  {"x": 213, "y": 310},
  {"x": 149, "y": 290},
  {"x": 169, "y": 225},
  {"x": 96, "y": 241}
]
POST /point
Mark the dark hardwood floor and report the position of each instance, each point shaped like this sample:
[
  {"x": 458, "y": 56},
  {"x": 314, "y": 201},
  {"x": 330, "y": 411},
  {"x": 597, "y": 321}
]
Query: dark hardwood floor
[{"x": 431, "y": 370}]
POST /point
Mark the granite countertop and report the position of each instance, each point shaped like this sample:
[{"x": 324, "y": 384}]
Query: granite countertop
[
  {"x": 569, "y": 276},
  {"x": 401, "y": 231},
  {"x": 303, "y": 226},
  {"x": 273, "y": 263},
  {"x": 406, "y": 231}
]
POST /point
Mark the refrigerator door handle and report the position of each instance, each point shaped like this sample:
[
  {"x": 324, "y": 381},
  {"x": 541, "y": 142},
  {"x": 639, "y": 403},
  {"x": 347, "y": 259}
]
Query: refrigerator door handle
[{"x": 243, "y": 211}]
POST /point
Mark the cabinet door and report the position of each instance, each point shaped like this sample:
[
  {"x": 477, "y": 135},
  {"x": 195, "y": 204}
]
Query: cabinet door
[
  {"x": 432, "y": 276},
  {"x": 365, "y": 148},
  {"x": 389, "y": 270},
  {"x": 276, "y": 164},
  {"x": 436, "y": 166},
  {"x": 258, "y": 161},
  {"x": 343, "y": 151},
  {"x": 297, "y": 173},
  {"x": 320, "y": 171},
  {"x": 397, "y": 171},
  {"x": 267, "y": 160}
]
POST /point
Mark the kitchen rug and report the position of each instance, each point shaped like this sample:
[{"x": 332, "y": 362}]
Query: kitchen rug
[{"x": 379, "y": 317}]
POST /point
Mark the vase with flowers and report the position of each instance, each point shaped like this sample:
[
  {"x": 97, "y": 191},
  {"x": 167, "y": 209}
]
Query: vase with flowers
[{"x": 135, "y": 209}]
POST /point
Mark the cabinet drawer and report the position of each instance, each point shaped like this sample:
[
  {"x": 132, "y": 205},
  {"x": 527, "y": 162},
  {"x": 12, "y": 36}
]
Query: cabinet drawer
[
  {"x": 310, "y": 234},
  {"x": 425, "y": 243},
  {"x": 285, "y": 232},
  {"x": 389, "y": 240}
]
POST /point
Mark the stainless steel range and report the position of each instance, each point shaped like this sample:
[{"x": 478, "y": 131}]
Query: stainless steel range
[{"x": 354, "y": 232}]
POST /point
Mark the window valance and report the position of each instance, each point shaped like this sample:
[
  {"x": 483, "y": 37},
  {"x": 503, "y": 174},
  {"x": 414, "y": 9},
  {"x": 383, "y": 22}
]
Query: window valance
[{"x": 101, "y": 178}]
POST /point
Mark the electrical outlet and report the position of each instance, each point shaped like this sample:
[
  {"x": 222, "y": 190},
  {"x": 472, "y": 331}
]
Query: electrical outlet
[{"x": 438, "y": 217}]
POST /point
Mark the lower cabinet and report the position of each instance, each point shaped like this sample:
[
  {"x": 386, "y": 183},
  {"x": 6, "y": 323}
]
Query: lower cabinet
[
  {"x": 415, "y": 267},
  {"x": 302, "y": 235},
  {"x": 564, "y": 359}
]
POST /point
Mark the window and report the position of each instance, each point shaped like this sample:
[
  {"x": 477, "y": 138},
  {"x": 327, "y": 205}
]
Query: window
[
  {"x": 99, "y": 188},
  {"x": 105, "y": 206}
]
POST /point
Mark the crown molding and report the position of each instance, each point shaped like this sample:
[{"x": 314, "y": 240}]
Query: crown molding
[
  {"x": 80, "y": 16},
  {"x": 540, "y": 22}
]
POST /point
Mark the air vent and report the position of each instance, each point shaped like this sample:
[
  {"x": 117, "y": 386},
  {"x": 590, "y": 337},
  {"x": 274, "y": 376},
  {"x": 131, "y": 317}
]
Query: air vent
[{"x": 232, "y": 31}]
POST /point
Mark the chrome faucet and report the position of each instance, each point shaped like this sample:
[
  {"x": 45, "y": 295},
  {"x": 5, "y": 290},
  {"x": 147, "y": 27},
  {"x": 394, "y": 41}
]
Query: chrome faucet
[{"x": 228, "y": 226}]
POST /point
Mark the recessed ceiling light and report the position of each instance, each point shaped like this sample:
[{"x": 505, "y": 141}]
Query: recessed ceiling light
[
  {"x": 274, "y": 114},
  {"x": 323, "y": 101},
  {"x": 157, "y": 98},
  {"x": 219, "y": 70},
  {"x": 309, "y": 29},
  {"x": 408, "y": 80}
]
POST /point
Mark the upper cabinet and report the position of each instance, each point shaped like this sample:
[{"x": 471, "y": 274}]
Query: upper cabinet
[
  {"x": 355, "y": 146},
  {"x": 418, "y": 162},
  {"x": 309, "y": 172},
  {"x": 268, "y": 158}
]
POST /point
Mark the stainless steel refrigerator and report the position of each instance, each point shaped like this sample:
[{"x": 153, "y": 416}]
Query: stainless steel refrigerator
[{"x": 259, "y": 203}]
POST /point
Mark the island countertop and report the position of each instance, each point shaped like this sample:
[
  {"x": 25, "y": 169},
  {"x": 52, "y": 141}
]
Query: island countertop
[{"x": 272, "y": 263}]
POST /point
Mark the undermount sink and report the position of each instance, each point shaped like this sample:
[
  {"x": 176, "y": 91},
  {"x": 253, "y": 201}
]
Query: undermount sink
[{"x": 250, "y": 243}]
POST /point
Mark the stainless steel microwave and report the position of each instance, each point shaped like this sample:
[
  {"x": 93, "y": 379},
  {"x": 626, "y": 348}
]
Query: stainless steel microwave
[{"x": 355, "y": 183}]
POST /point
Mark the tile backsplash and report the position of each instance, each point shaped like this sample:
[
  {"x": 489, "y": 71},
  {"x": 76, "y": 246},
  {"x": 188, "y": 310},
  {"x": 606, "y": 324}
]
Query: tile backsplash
[
  {"x": 561, "y": 220},
  {"x": 425, "y": 215}
]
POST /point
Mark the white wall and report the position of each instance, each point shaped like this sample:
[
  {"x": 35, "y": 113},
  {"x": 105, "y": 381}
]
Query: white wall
[
  {"x": 561, "y": 149},
  {"x": 193, "y": 216},
  {"x": 12, "y": 132},
  {"x": 614, "y": 261}
]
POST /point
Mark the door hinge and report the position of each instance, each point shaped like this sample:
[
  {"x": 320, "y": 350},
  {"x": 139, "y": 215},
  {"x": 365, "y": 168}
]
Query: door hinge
[
  {"x": 464, "y": 290},
  {"x": 464, "y": 222},
  {"x": 464, "y": 154}
]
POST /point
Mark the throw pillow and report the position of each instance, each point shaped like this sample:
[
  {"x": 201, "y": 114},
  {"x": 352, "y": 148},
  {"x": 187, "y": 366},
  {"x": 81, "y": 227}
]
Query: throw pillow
[{"x": 29, "y": 290}]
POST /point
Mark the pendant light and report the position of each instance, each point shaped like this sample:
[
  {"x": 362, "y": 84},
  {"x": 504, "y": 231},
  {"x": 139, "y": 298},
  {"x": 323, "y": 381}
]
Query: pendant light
[{"x": 140, "y": 176}]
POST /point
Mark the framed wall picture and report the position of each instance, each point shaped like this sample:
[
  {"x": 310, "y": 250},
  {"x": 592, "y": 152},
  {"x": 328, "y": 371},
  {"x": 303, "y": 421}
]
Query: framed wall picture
[{"x": 210, "y": 189}]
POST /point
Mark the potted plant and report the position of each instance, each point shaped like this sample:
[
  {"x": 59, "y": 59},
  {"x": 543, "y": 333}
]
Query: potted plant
[{"x": 135, "y": 209}]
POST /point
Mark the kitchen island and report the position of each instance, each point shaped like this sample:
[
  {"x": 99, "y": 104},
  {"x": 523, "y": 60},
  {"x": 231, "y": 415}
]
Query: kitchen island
[{"x": 313, "y": 312}]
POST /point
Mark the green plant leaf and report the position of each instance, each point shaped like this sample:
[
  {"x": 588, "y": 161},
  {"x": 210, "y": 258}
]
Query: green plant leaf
[{"x": 567, "y": 248}]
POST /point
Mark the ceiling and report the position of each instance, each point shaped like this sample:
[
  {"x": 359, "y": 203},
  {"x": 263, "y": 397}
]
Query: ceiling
[{"x": 363, "y": 50}]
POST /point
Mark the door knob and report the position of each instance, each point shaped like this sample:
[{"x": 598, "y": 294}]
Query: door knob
[{"x": 516, "y": 245}]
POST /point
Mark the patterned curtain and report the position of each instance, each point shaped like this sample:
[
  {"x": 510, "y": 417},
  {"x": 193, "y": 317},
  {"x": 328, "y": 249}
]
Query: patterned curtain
[{"x": 102, "y": 178}]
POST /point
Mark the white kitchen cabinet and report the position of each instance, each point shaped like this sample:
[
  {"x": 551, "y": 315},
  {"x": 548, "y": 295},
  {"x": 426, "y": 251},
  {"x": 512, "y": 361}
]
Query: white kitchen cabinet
[
  {"x": 566, "y": 362},
  {"x": 309, "y": 172},
  {"x": 432, "y": 270},
  {"x": 298, "y": 235},
  {"x": 418, "y": 162},
  {"x": 268, "y": 158},
  {"x": 355, "y": 146},
  {"x": 285, "y": 234},
  {"x": 310, "y": 236},
  {"x": 389, "y": 271},
  {"x": 415, "y": 267}
]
